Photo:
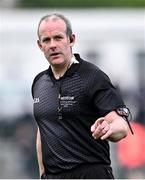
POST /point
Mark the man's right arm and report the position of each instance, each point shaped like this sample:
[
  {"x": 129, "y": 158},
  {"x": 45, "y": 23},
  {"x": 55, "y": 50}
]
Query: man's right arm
[{"x": 39, "y": 153}]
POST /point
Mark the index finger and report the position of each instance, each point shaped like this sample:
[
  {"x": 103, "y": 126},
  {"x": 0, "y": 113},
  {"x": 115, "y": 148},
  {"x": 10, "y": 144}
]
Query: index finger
[{"x": 96, "y": 123}]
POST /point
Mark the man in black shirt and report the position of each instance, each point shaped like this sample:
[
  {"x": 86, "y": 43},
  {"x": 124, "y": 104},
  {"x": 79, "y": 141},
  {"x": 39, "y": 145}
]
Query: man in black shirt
[{"x": 76, "y": 107}]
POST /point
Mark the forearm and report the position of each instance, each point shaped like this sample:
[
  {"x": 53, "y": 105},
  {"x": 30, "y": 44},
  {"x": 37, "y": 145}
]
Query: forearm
[{"x": 39, "y": 153}]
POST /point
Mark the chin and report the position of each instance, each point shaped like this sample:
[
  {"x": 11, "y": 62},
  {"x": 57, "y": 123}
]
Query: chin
[{"x": 57, "y": 62}]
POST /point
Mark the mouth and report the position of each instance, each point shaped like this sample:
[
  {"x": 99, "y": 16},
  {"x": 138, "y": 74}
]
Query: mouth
[{"x": 54, "y": 54}]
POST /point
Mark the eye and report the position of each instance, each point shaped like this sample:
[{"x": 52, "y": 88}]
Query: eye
[
  {"x": 58, "y": 38},
  {"x": 45, "y": 39}
]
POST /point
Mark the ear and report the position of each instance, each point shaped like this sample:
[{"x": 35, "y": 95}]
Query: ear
[
  {"x": 72, "y": 40},
  {"x": 39, "y": 44}
]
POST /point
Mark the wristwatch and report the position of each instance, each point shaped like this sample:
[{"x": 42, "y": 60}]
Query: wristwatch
[{"x": 125, "y": 113}]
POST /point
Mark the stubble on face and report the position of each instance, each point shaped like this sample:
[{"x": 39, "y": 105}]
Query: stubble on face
[{"x": 59, "y": 51}]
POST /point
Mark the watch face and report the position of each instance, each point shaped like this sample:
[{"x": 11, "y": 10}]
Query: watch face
[
  {"x": 123, "y": 111},
  {"x": 126, "y": 113}
]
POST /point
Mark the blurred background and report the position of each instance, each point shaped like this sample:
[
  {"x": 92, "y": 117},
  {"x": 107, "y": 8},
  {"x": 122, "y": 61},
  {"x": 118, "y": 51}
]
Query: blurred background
[{"x": 110, "y": 34}]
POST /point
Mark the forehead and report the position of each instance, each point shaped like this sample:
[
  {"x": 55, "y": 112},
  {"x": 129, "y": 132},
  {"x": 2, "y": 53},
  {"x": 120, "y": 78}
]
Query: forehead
[{"x": 52, "y": 25}]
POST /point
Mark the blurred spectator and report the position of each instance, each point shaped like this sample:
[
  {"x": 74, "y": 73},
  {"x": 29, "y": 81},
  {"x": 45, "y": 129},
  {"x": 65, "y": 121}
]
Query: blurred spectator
[
  {"x": 25, "y": 138},
  {"x": 140, "y": 117},
  {"x": 131, "y": 154},
  {"x": 17, "y": 152}
]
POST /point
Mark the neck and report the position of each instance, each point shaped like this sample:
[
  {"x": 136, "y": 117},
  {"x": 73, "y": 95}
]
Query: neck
[{"x": 60, "y": 70}]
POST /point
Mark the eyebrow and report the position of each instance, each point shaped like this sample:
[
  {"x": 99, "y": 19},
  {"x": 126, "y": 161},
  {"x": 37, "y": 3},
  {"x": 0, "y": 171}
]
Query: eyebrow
[{"x": 54, "y": 36}]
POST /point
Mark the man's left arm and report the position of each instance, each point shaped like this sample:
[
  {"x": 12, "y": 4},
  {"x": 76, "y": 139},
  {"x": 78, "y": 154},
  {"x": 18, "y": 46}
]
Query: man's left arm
[{"x": 111, "y": 127}]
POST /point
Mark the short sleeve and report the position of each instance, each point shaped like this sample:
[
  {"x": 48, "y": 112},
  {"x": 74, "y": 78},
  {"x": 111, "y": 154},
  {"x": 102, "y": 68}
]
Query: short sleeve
[{"x": 105, "y": 96}]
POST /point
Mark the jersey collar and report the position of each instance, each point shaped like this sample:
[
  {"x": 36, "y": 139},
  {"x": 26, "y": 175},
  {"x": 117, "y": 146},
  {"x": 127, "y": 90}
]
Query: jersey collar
[{"x": 75, "y": 64}]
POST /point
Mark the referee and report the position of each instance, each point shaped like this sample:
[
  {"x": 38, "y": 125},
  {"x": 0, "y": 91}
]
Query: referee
[{"x": 76, "y": 107}]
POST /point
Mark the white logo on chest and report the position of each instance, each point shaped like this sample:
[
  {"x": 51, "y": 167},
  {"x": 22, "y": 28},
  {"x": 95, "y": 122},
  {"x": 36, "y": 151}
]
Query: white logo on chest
[{"x": 36, "y": 100}]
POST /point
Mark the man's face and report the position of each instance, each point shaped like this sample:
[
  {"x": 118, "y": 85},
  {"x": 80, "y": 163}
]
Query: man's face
[{"x": 54, "y": 42}]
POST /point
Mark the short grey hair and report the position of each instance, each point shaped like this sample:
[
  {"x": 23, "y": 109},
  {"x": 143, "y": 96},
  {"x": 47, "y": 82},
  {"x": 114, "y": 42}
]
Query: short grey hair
[{"x": 60, "y": 16}]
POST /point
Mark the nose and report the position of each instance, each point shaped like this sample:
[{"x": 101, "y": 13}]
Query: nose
[{"x": 52, "y": 43}]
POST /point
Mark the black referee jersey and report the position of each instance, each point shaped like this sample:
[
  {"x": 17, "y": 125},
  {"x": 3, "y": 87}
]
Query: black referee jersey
[{"x": 66, "y": 108}]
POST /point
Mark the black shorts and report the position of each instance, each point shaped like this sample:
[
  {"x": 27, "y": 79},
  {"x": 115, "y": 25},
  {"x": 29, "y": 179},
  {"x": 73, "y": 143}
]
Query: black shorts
[{"x": 91, "y": 171}]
